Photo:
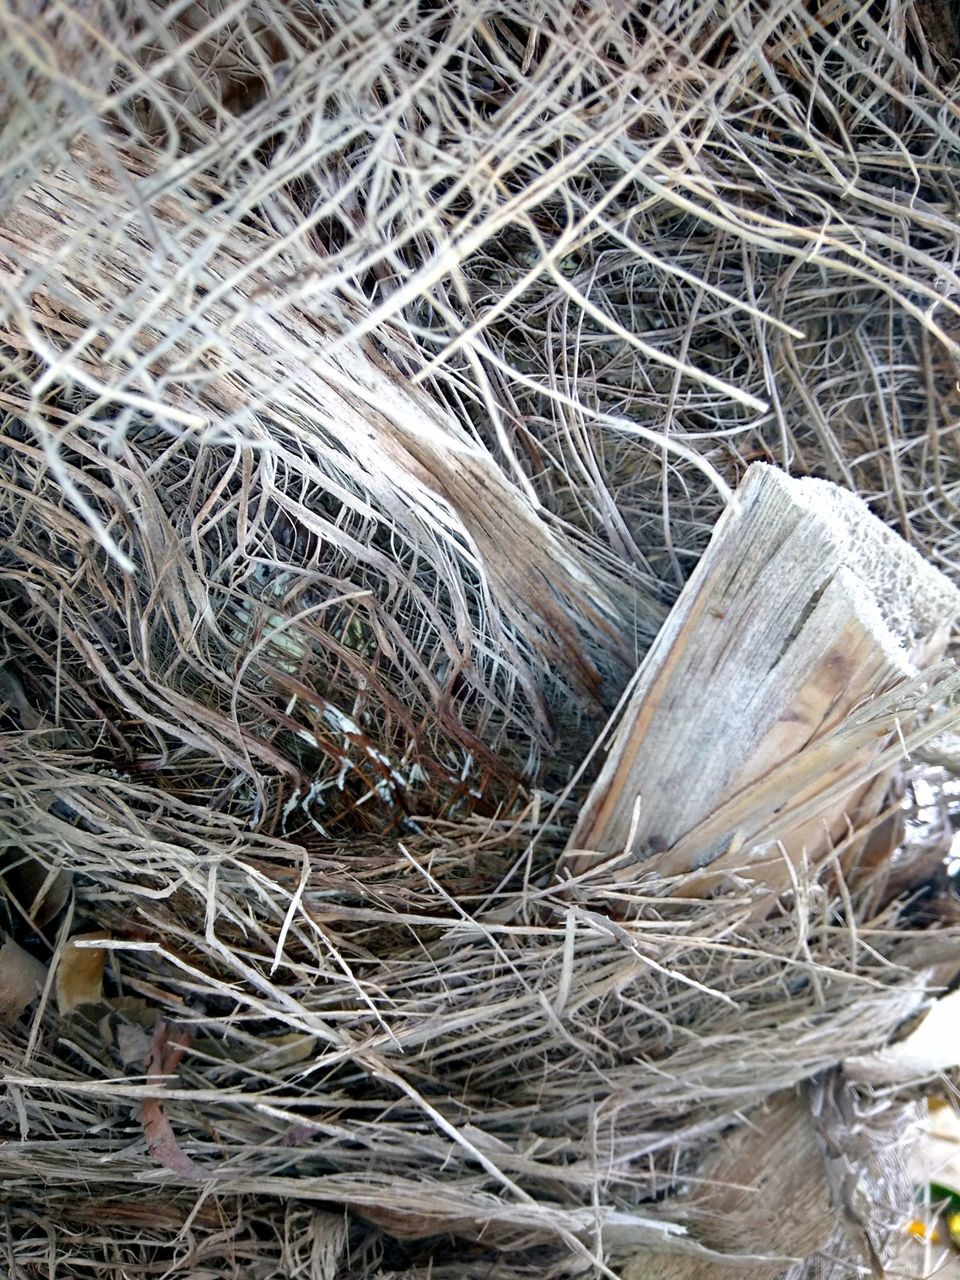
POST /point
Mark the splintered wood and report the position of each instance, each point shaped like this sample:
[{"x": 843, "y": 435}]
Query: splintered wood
[
  {"x": 791, "y": 679},
  {"x": 800, "y": 665}
]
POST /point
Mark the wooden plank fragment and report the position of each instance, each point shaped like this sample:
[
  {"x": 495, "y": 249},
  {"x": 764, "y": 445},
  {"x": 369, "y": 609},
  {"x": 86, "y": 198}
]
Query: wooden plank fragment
[{"x": 769, "y": 713}]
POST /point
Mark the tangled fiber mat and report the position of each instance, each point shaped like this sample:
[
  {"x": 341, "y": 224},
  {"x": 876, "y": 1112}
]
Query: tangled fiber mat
[{"x": 372, "y": 377}]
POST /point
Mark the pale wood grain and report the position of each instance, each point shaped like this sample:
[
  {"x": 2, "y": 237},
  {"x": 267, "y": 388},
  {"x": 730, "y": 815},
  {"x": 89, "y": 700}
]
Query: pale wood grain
[{"x": 766, "y": 719}]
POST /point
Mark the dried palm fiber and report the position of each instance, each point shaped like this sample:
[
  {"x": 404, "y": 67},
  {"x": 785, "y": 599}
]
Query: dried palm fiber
[
  {"x": 366, "y": 369},
  {"x": 327, "y": 1078},
  {"x": 392, "y": 516}
]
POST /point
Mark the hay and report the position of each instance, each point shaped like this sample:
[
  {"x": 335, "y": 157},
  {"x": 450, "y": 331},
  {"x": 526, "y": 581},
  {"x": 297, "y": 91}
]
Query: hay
[{"x": 372, "y": 378}]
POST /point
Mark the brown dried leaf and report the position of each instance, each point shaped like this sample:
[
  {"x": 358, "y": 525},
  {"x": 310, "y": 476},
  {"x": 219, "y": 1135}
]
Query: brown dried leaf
[
  {"x": 126, "y": 1028},
  {"x": 42, "y": 892},
  {"x": 21, "y": 980},
  {"x": 165, "y": 1053},
  {"x": 80, "y": 973}
]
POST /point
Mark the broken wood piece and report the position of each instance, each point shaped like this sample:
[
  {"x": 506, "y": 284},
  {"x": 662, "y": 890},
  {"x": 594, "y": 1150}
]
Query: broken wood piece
[{"x": 789, "y": 680}]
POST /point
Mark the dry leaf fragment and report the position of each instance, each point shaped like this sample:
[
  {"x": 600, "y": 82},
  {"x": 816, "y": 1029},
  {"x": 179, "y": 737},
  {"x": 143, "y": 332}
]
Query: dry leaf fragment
[
  {"x": 166, "y": 1050},
  {"x": 126, "y": 1028},
  {"x": 41, "y": 891},
  {"x": 21, "y": 980},
  {"x": 80, "y": 972}
]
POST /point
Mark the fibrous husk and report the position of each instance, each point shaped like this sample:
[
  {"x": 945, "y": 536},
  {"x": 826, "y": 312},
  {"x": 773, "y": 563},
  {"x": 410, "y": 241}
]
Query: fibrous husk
[{"x": 373, "y": 377}]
